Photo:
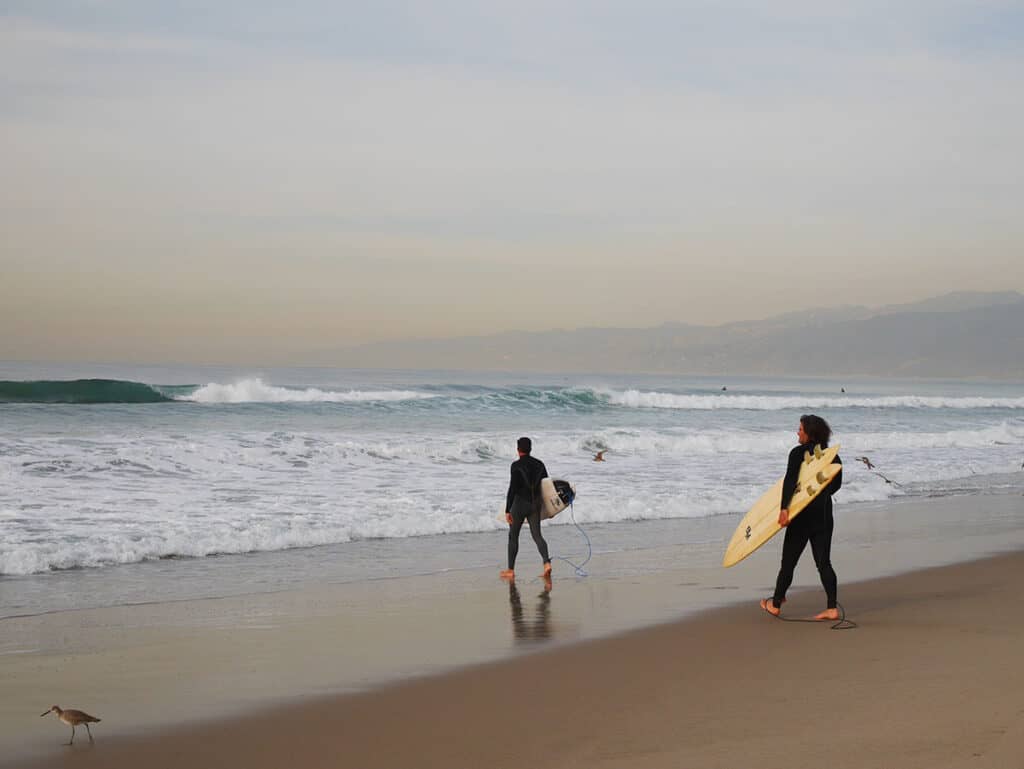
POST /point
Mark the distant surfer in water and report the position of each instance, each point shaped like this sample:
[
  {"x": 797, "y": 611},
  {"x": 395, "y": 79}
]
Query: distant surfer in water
[
  {"x": 813, "y": 525},
  {"x": 522, "y": 503}
]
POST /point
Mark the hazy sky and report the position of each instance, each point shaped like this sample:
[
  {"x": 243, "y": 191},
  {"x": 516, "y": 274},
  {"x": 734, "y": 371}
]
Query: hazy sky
[{"x": 245, "y": 181}]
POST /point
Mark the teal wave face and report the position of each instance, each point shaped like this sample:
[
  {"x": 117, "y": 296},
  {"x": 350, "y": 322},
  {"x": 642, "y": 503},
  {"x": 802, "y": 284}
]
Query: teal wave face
[
  {"x": 80, "y": 391},
  {"x": 569, "y": 398}
]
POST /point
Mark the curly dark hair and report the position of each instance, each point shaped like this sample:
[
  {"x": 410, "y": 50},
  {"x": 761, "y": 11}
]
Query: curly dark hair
[{"x": 817, "y": 429}]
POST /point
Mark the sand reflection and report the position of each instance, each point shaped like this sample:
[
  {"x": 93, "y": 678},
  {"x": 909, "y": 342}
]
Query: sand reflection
[{"x": 536, "y": 626}]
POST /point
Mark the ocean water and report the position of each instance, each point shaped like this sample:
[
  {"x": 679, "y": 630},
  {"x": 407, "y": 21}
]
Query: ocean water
[{"x": 170, "y": 464}]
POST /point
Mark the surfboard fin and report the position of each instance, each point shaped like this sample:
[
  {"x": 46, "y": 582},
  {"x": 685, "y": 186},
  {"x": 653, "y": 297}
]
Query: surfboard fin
[
  {"x": 817, "y": 451},
  {"x": 807, "y": 457},
  {"x": 821, "y": 476}
]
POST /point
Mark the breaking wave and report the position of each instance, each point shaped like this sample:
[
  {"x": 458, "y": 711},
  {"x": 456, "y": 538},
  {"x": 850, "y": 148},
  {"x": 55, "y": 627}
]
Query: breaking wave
[
  {"x": 257, "y": 391},
  {"x": 660, "y": 400}
]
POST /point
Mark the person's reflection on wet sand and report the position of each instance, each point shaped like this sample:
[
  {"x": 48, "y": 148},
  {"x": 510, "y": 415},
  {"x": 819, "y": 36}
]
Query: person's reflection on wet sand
[{"x": 537, "y": 629}]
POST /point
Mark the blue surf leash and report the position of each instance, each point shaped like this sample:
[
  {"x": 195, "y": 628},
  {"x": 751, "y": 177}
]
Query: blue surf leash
[{"x": 580, "y": 571}]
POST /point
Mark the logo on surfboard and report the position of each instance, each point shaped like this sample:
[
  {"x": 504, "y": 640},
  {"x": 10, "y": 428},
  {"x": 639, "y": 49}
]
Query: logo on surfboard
[{"x": 748, "y": 533}]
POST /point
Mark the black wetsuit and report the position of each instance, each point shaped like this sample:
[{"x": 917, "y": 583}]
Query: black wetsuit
[
  {"x": 523, "y": 501},
  {"x": 814, "y": 525}
]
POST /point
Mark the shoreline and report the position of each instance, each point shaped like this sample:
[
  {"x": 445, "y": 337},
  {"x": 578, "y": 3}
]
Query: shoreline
[
  {"x": 218, "y": 660},
  {"x": 241, "y": 575},
  {"x": 928, "y": 679}
]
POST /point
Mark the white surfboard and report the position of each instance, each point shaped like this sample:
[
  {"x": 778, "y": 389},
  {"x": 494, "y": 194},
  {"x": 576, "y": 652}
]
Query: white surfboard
[{"x": 556, "y": 495}]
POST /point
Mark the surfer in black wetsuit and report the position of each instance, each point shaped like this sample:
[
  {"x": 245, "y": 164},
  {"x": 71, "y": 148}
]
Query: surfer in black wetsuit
[
  {"x": 814, "y": 524},
  {"x": 522, "y": 503}
]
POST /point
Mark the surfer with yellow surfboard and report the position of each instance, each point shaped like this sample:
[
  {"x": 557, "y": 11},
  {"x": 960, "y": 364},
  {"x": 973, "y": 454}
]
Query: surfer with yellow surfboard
[{"x": 813, "y": 524}]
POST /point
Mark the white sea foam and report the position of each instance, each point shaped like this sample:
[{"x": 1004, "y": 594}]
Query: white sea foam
[
  {"x": 1003, "y": 434},
  {"x": 121, "y": 499},
  {"x": 197, "y": 527},
  {"x": 661, "y": 400},
  {"x": 714, "y": 443},
  {"x": 256, "y": 391}
]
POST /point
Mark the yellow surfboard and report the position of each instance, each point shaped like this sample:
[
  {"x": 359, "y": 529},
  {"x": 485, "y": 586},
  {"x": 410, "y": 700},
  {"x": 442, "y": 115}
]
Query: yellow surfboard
[{"x": 761, "y": 523}]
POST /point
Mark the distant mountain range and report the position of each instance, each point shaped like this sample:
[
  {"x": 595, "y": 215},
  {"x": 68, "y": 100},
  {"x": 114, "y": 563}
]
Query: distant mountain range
[{"x": 962, "y": 334}]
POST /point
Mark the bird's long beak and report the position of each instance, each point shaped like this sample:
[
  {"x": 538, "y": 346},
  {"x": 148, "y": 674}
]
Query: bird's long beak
[{"x": 43, "y": 714}]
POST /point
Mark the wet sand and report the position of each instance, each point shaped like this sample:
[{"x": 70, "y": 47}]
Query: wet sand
[{"x": 930, "y": 678}]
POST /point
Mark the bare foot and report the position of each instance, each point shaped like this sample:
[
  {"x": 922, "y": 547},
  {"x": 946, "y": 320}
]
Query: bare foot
[
  {"x": 770, "y": 607},
  {"x": 827, "y": 614},
  {"x": 547, "y": 569},
  {"x": 507, "y": 574}
]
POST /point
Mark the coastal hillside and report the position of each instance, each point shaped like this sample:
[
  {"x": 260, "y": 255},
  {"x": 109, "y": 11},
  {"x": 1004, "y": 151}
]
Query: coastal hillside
[{"x": 963, "y": 334}]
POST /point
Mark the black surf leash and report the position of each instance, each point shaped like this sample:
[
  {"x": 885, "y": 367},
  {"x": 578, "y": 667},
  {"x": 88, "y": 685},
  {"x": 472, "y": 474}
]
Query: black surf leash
[{"x": 841, "y": 624}]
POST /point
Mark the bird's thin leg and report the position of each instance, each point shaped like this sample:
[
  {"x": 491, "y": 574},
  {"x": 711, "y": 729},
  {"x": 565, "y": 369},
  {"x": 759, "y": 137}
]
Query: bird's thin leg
[
  {"x": 72, "y": 735},
  {"x": 89, "y": 731}
]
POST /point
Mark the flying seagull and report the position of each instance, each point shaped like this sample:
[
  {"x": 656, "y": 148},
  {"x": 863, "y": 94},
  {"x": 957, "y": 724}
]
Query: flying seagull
[
  {"x": 599, "y": 456},
  {"x": 871, "y": 466}
]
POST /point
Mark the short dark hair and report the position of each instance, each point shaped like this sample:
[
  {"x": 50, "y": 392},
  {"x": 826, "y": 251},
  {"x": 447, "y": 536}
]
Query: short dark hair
[
  {"x": 524, "y": 445},
  {"x": 817, "y": 429}
]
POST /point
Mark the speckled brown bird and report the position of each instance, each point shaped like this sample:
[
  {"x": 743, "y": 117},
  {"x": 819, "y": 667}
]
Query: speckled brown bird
[{"x": 73, "y": 718}]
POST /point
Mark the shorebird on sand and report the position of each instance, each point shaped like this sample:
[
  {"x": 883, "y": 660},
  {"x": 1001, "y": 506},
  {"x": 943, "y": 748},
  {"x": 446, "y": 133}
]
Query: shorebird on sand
[
  {"x": 73, "y": 718},
  {"x": 599, "y": 456}
]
